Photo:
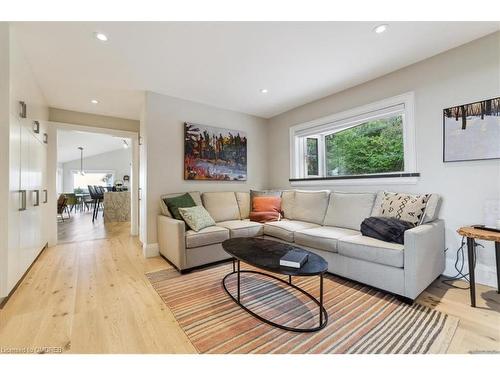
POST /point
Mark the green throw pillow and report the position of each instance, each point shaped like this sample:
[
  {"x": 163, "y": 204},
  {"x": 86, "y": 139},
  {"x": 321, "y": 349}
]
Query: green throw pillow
[
  {"x": 175, "y": 203},
  {"x": 197, "y": 217}
]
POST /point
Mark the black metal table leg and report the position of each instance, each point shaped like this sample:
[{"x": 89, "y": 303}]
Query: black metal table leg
[
  {"x": 290, "y": 279},
  {"x": 236, "y": 298},
  {"x": 472, "y": 279},
  {"x": 238, "y": 281},
  {"x": 234, "y": 269},
  {"x": 497, "y": 256},
  {"x": 321, "y": 300}
]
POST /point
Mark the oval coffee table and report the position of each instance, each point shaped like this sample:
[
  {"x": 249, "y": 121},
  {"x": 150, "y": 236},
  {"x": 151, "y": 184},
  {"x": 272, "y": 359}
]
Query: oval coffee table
[{"x": 266, "y": 254}]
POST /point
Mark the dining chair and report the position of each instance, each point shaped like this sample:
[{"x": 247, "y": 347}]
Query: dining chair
[
  {"x": 62, "y": 206},
  {"x": 95, "y": 200},
  {"x": 72, "y": 201}
]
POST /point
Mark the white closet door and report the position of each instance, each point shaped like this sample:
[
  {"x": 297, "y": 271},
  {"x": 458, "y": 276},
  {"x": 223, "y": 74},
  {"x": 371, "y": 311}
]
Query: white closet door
[
  {"x": 36, "y": 170},
  {"x": 26, "y": 216},
  {"x": 15, "y": 203},
  {"x": 44, "y": 198}
]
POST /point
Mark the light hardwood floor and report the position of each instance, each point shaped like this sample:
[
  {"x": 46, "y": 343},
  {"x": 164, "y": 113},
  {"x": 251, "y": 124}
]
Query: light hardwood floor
[
  {"x": 93, "y": 297},
  {"x": 79, "y": 227}
]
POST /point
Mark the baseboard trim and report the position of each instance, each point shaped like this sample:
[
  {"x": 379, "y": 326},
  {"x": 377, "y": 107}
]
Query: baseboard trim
[{"x": 150, "y": 250}]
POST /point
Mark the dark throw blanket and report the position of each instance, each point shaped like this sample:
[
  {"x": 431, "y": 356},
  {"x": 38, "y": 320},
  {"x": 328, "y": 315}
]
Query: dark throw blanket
[{"x": 385, "y": 228}]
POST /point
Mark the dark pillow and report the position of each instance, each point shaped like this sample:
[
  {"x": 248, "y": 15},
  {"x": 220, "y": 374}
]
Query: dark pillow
[
  {"x": 264, "y": 193},
  {"x": 175, "y": 203},
  {"x": 385, "y": 228}
]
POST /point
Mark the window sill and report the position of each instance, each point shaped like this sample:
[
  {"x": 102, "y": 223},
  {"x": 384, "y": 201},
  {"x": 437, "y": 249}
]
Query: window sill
[{"x": 408, "y": 178}]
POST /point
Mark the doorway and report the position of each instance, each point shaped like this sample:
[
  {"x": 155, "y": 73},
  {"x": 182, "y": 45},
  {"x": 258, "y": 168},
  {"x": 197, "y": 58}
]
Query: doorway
[{"x": 95, "y": 177}]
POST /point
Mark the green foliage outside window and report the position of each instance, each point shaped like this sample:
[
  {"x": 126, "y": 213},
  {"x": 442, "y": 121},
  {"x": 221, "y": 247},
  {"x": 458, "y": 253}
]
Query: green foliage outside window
[
  {"x": 312, "y": 157},
  {"x": 372, "y": 147}
]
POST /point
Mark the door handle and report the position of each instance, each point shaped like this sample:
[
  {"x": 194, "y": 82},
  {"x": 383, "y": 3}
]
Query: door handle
[
  {"x": 37, "y": 195},
  {"x": 45, "y": 196},
  {"x": 140, "y": 194},
  {"x": 22, "y": 200}
]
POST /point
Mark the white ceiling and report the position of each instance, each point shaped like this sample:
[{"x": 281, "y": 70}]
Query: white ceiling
[
  {"x": 224, "y": 64},
  {"x": 68, "y": 142}
]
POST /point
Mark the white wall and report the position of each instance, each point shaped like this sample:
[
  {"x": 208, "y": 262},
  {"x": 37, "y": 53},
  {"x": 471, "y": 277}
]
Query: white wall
[
  {"x": 118, "y": 161},
  {"x": 163, "y": 132},
  {"x": 471, "y": 190}
]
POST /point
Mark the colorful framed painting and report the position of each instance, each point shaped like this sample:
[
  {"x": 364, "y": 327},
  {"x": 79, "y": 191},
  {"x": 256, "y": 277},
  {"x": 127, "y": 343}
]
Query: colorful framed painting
[
  {"x": 472, "y": 131},
  {"x": 212, "y": 153}
]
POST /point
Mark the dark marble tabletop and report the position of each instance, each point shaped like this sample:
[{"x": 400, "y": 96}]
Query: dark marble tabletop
[{"x": 266, "y": 254}]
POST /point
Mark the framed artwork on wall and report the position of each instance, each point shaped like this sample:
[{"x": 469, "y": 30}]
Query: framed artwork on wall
[
  {"x": 212, "y": 153},
  {"x": 472, "y": 131}
]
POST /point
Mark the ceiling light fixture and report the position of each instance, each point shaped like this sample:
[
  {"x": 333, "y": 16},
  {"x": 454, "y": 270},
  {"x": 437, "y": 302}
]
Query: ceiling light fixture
[
  {"x": 264, "y": 91},
  {"x": 94, "y": 101},
  {"x": 380, "y": 29},
  {"x": 82, "y": 172},
  {"x": 125, "y": 144},
  {"x": 100, "y": 36}
]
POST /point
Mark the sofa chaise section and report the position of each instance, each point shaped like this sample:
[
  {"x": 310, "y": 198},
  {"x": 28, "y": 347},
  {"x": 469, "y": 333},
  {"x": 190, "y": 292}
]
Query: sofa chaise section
[{"x": 187, "y": 249}]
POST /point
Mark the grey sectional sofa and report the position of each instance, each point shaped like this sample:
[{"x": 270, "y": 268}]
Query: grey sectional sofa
[{"x": 324, "y": 222}]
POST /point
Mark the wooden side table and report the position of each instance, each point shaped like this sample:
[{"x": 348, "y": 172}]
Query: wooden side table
[{"x": 472, "y": 235}]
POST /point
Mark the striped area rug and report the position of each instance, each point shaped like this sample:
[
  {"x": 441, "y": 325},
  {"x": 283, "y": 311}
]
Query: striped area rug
[{"x": 361, "y": 319}]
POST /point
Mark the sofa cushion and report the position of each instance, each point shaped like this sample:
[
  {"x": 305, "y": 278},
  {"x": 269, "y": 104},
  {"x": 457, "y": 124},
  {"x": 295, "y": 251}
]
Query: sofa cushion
[
  {"x": 348, "y": 210},
  {"x": 196, "y": 195},
  {"x": 222, "y": 206},
  {"x": 323, "y": 238},
  {"x": 402, "y": 206},
  {"x": 285, "y": 229},
  {"x": 310, "y": 206},
  {"x": 242, "y": 228},
  {"x": 432, "y": 208},
  {"x": 287, "y": 199},
  {"x": 243, "y": 199},
  {"x": 372, "y": 250},
  {"x": 206, "y": 236}
]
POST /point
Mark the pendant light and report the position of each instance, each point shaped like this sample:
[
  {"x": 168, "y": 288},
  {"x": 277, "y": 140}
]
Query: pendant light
[{"x": 82, "y": 172}]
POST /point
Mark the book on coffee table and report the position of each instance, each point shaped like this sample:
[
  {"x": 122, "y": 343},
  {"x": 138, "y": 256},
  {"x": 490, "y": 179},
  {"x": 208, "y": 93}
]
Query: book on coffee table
[{"x": 294, "y": 259}]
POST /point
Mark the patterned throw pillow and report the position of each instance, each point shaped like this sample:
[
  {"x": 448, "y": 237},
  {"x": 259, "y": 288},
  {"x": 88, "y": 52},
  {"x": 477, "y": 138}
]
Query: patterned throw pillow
[
  {"x": 197, "y": 217},
  {"x": 406, "y": 207}
]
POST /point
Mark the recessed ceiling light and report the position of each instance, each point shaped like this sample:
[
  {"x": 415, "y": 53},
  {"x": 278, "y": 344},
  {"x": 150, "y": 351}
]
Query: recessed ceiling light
[
  {"x": 94, "y": 101},
  {"x": 100, "y": 36},
  {"x": 264, "y": 91},
  {"x": 380, "y": 29}
]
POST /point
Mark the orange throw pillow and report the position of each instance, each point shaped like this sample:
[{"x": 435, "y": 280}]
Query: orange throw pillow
[
  {"x": 265, "y": 208},
  {"x": 264, "y": 217},
  {"x": 266, "y": 204}
]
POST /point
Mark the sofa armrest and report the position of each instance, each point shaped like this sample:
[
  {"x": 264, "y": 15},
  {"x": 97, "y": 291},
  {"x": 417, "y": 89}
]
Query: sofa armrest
[
  {"x": 424, "y": 258},
  {"x": 172, "y": 240}
]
